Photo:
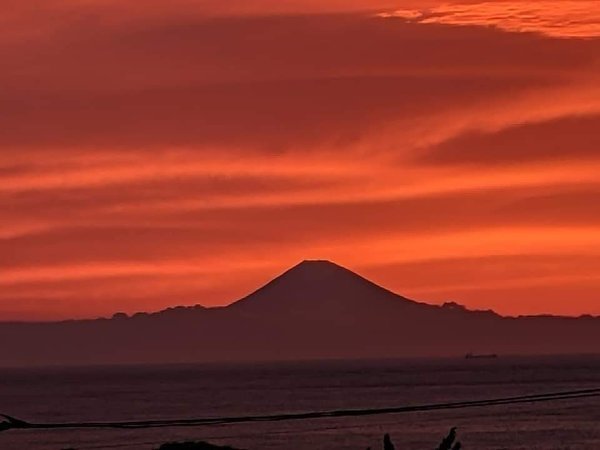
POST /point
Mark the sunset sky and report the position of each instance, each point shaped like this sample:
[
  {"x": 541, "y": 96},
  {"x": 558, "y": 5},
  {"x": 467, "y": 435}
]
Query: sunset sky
[{"x": 171, "y": 153}]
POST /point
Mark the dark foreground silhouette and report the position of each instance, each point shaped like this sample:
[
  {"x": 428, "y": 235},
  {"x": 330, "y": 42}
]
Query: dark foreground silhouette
[
  {"x": 315, "y": 310},
  {"x": 448, "y": 443}
]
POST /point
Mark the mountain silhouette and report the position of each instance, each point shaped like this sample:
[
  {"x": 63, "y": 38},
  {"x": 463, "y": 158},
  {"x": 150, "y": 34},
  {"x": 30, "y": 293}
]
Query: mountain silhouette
[
  {"x": 315, "y": 310},
  {"x": 315, "y": 286}
]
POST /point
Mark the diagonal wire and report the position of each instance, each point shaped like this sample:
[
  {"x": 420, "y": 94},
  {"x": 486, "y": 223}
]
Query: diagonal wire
[{"x": 13, "y": 423}]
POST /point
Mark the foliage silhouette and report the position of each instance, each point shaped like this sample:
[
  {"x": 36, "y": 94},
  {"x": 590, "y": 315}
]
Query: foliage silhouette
[
  {"x": 193, "y": 446},
  {"x": 448, "y": 443},
  {"x": 387, "y": 443}
]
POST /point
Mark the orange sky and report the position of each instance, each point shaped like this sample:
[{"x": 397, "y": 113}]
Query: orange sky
[{"x": 185, "y": 152}]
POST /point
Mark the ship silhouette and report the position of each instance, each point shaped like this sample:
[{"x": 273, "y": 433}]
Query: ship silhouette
[{"x": 481, "y": 356}]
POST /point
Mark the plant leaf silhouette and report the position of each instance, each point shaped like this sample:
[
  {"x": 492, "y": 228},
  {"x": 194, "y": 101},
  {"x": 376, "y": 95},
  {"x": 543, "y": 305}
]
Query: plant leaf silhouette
[
  {"x": 449, "y": 441},
  {"x": 387, "y": 443}
]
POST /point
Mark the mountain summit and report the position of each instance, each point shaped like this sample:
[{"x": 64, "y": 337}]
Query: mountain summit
[{"x": 314, "y": 286}]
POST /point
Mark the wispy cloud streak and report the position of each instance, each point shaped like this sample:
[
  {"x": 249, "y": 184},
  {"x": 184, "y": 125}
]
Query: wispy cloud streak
[{"x": 560, "y": 19}]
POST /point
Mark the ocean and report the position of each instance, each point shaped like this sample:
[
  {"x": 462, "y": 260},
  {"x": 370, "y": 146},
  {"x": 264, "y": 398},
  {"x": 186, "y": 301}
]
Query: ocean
[{"x": 211, "y": 390}]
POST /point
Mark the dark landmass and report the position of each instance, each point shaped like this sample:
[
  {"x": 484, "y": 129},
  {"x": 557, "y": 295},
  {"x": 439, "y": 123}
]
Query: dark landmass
[{"x": 316, "y": 310}]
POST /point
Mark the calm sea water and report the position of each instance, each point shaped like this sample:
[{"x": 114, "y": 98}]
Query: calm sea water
[{"x": 181, "y": 391}]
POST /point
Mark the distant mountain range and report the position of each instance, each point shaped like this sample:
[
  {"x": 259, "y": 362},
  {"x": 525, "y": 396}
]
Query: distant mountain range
[{"x": 315, "y": 310}]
